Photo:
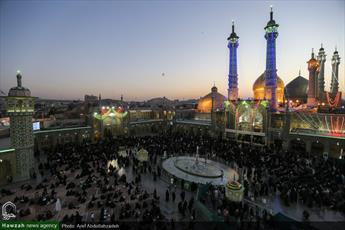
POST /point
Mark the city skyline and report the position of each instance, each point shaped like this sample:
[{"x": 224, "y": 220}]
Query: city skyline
[{"x": 144, "y": 50}]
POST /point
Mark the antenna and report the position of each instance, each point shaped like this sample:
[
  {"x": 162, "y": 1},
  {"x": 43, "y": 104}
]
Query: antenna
[{"x": 271, "y": 13}]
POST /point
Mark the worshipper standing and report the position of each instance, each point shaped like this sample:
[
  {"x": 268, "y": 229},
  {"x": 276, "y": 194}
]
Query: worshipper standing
[
  {"x": 184, "y": 207},
  {"x": 167, "y": 195},
  {"x": 173, "y": 195},
  {"x": 92, "y": 216},
  {"x": 179, "y": 205},
  {"x": 154, "y": 176},
  {"x": 190, "y": 204},
  {"x": 182, "y": 195},
  {"x": 58, "y": 205}
]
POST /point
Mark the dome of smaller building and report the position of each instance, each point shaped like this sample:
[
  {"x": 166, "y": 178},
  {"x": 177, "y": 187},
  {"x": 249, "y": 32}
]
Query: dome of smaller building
[
  {"x": 297, "y": 89},
  {"x": 19, "y": 90},
  {"x": 205, "y": 103},
  {"x": 234, "y": 191}
]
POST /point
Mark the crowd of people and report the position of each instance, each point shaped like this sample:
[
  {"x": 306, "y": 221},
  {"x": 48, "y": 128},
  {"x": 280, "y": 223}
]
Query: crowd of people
[
  {"x": 297, "y": 176},
  {"x": 312, "y": 180},
  {"x": 89, "y": 189}
]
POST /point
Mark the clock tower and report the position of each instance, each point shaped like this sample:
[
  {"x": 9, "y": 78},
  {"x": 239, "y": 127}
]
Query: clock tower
[{"x": 20, "y": 108}]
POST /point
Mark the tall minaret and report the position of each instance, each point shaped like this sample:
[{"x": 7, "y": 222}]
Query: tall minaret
[
  {"x": 321, "y": 58},
  {"x": 271, "y": 71},
  {"x": 232, "y": 77},
  {"x": 335, "y": 72},
  {"x": 20, "y": 108},
  {"x": 313, "y": 66}
]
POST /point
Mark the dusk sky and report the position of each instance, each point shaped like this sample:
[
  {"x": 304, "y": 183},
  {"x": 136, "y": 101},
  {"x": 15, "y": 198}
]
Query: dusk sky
[{"x": 66, "y": 49}]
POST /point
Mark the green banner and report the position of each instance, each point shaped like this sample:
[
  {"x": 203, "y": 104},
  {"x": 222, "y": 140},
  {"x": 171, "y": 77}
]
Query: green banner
[{"x": 9, "y": 224}]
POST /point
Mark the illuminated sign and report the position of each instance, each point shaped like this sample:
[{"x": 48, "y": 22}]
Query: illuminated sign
[{"x": 36, "y": 125}]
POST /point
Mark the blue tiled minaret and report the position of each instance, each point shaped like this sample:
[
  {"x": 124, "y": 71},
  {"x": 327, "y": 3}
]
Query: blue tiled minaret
[
  {"x": 232, "y": 77},
  {"x": 271, "y": 71}
]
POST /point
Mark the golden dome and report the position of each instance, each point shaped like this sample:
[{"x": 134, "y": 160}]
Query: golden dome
[
  {"x": 205, "y": 103},
  {"x": 259, "y": 88}
]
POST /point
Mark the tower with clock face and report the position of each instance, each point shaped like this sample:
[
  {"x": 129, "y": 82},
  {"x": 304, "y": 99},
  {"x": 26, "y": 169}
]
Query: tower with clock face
[
  {"x": 20, "y": 109},
  {"x": 313, "y": 66}
]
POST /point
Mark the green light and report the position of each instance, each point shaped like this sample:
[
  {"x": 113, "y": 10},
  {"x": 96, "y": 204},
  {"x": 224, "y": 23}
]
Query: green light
[
  {"x": 6, "y": 150},
  {"x": 264, "y": 103},
  {"x": 62, "y": 130},
  {"x": 18, "y": 71},
  {"x": 110, "y": 113}
]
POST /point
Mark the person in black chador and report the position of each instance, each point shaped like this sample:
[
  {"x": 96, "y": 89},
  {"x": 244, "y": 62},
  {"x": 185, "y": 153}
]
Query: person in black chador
[{"x": 167, "y": 195}]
